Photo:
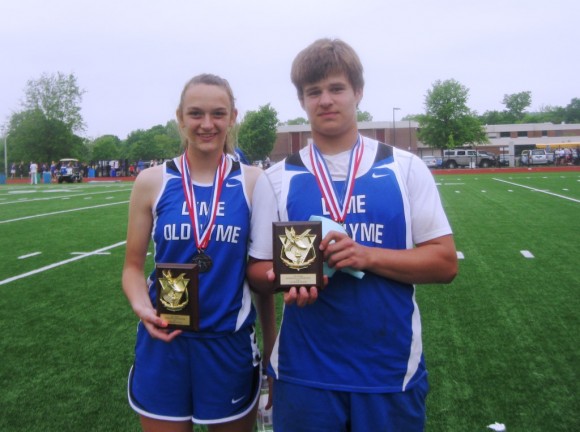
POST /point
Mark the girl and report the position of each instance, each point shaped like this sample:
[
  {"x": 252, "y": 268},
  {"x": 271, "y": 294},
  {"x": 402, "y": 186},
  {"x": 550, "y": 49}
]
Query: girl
[{"x": 196, "y": 208}]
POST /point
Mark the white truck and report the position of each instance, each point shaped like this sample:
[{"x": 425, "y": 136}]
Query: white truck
[{"x": 536, "y": 157}]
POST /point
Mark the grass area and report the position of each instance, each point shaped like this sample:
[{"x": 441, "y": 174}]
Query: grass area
[{"x": 501, "y": 342}]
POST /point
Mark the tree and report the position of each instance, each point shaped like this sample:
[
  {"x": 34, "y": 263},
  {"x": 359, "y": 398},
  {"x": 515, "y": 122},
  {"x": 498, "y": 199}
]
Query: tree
[
  {"x": 494, "y": 118},
  {"x": 44, "y": 129},
  {"x": 448, "y": 122},
  {"x": 517, "y": 103},
  {"x": 573, "y": 111},
  {"x": 106, "y": 148},
  {"x": 363, "y": 116},
  {"x": 548, "y": 114},
  {"x": 58, "y": 97},
  {"x": 33, "y": 136},
  {"x": 297, "y": 121},
  {"x": 159, "y": 142},
  {"x": 257, "y": 133}
]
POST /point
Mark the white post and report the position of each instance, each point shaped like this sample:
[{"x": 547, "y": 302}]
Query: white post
[{"x": 6, "y": 156}]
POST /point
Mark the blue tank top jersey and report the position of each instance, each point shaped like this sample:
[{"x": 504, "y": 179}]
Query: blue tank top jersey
[
  {"x": 360, "y": 335},
  {"x": 224, "y": 297}
]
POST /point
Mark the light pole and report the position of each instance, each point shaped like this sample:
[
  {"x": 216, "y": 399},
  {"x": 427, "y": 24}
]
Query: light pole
[
  {"x": 394, "y": 128},
  {"x": 410, "y": 138},
  {"x": 6, "y": 156}
]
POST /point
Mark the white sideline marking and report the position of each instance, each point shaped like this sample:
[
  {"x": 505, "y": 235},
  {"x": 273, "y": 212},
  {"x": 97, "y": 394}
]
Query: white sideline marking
[
  {"x": 538, "y": 190},
  {"x": 460, "y": 255},
  {"x": 63, "y": 211},
  {"x": 29, "y": 255},
  {"x": 58, "y": 264},
  {"x": 527, "y": 254},
  {"x": 66, "y": 190},
  {"x": 83, "y": 253}
]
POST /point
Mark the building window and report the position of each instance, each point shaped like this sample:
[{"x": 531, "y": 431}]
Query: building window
[
  {"x": 522, "y": 134},
  {"x": 544, "y": 133},
  {"x": 504, "y": 135}
]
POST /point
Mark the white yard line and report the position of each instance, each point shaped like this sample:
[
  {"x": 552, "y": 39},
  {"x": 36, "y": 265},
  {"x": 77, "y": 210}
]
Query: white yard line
[
  {"x": 29, "y": 255},
  {"x": 20, "y": 200},
  {"x": 538, "y": 190},
  {"x": 62, "y": 211},
  {"x": 61, "y": 263}
]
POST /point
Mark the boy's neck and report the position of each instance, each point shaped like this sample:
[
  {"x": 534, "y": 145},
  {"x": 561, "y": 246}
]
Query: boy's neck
[{"x": 331, "y": 145}]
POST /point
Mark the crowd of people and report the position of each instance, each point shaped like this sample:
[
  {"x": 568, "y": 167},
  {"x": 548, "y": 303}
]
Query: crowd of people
[
  {"x": 566, "y": 156},
  {"x": 35, "y": 171}
]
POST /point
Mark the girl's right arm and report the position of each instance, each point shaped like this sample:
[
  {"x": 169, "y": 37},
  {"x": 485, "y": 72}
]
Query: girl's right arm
[{"x": 145, "y": 190}]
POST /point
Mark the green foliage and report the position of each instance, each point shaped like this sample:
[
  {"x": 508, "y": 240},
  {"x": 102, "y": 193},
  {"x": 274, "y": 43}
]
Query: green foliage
[
  {"x": 297, "y": 121},
  {"x": 493, "y": 118},
  {"x": 517, "y": 103},
  {"x": 33, "y": 136},
  {"x": 58, "y": 97},
  {"x": 548, "y": 114},
  {"x": 572, "y": 112},
  {"x": 43, "y": 130},
  {"x": 159, "y": 142},
  {"x": 363, "y": 116},
  {"x": 106, "y": 148},
  {"x": 257, "y": 132},
  {"x": 448, "y": 122}
]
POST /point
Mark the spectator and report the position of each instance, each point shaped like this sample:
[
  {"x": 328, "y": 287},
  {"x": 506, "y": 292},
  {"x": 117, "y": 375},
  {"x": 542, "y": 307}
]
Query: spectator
[{"x": 33, "y": 172}]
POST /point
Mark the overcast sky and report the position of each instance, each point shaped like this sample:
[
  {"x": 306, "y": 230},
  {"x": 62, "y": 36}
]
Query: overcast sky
[{"x": 133, "y": 56}]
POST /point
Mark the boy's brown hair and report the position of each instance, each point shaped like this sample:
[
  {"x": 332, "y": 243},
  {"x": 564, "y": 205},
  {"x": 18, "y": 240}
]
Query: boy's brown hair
[{"x": 325, "y": 57}]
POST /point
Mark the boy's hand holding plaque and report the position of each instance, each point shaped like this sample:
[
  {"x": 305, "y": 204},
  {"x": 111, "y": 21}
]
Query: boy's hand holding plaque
[
  {"x": 177, "y": 295},
  {"x": 297, "y": 259}
]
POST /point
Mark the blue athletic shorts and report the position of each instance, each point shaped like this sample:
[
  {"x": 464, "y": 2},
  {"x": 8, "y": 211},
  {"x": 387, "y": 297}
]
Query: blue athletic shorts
[
  {"x": 203, "y": 379},
  {"x": 307, "y": 409}
]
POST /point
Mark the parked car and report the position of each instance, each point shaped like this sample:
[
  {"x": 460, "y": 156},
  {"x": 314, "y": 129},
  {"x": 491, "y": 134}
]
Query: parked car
[
  {"x": 468, "y": 158},
  {"x": 432, "y": 161},
  {"x": 534, "y": 157},
  {"x": 69, "y": 171}
]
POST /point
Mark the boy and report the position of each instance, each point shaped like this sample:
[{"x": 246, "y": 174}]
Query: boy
[{"x": 349, "y": 357}]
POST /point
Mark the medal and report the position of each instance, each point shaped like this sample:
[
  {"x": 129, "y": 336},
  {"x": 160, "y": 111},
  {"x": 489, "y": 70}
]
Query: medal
[
  {"x": 203, "y": 260},
  {"x": 337, "y": 204}
]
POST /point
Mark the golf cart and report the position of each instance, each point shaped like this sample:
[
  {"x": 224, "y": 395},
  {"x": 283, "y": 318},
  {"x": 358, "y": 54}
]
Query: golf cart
[{"x": 69, "y": 172}]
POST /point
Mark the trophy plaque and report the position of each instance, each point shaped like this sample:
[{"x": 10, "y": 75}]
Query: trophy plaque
[
  {"x": 177, "y": 295},
  {"x": 296, "y": 255}
]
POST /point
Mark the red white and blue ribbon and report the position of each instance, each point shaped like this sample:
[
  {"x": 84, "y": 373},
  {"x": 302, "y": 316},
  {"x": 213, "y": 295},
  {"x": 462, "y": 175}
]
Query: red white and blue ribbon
[
  {"x": 202, "y": 237},
  {"x": 337, "y": 204}
]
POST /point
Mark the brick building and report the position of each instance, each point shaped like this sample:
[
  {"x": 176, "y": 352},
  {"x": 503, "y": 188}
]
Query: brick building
[{"x": 508, "y": 140}]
